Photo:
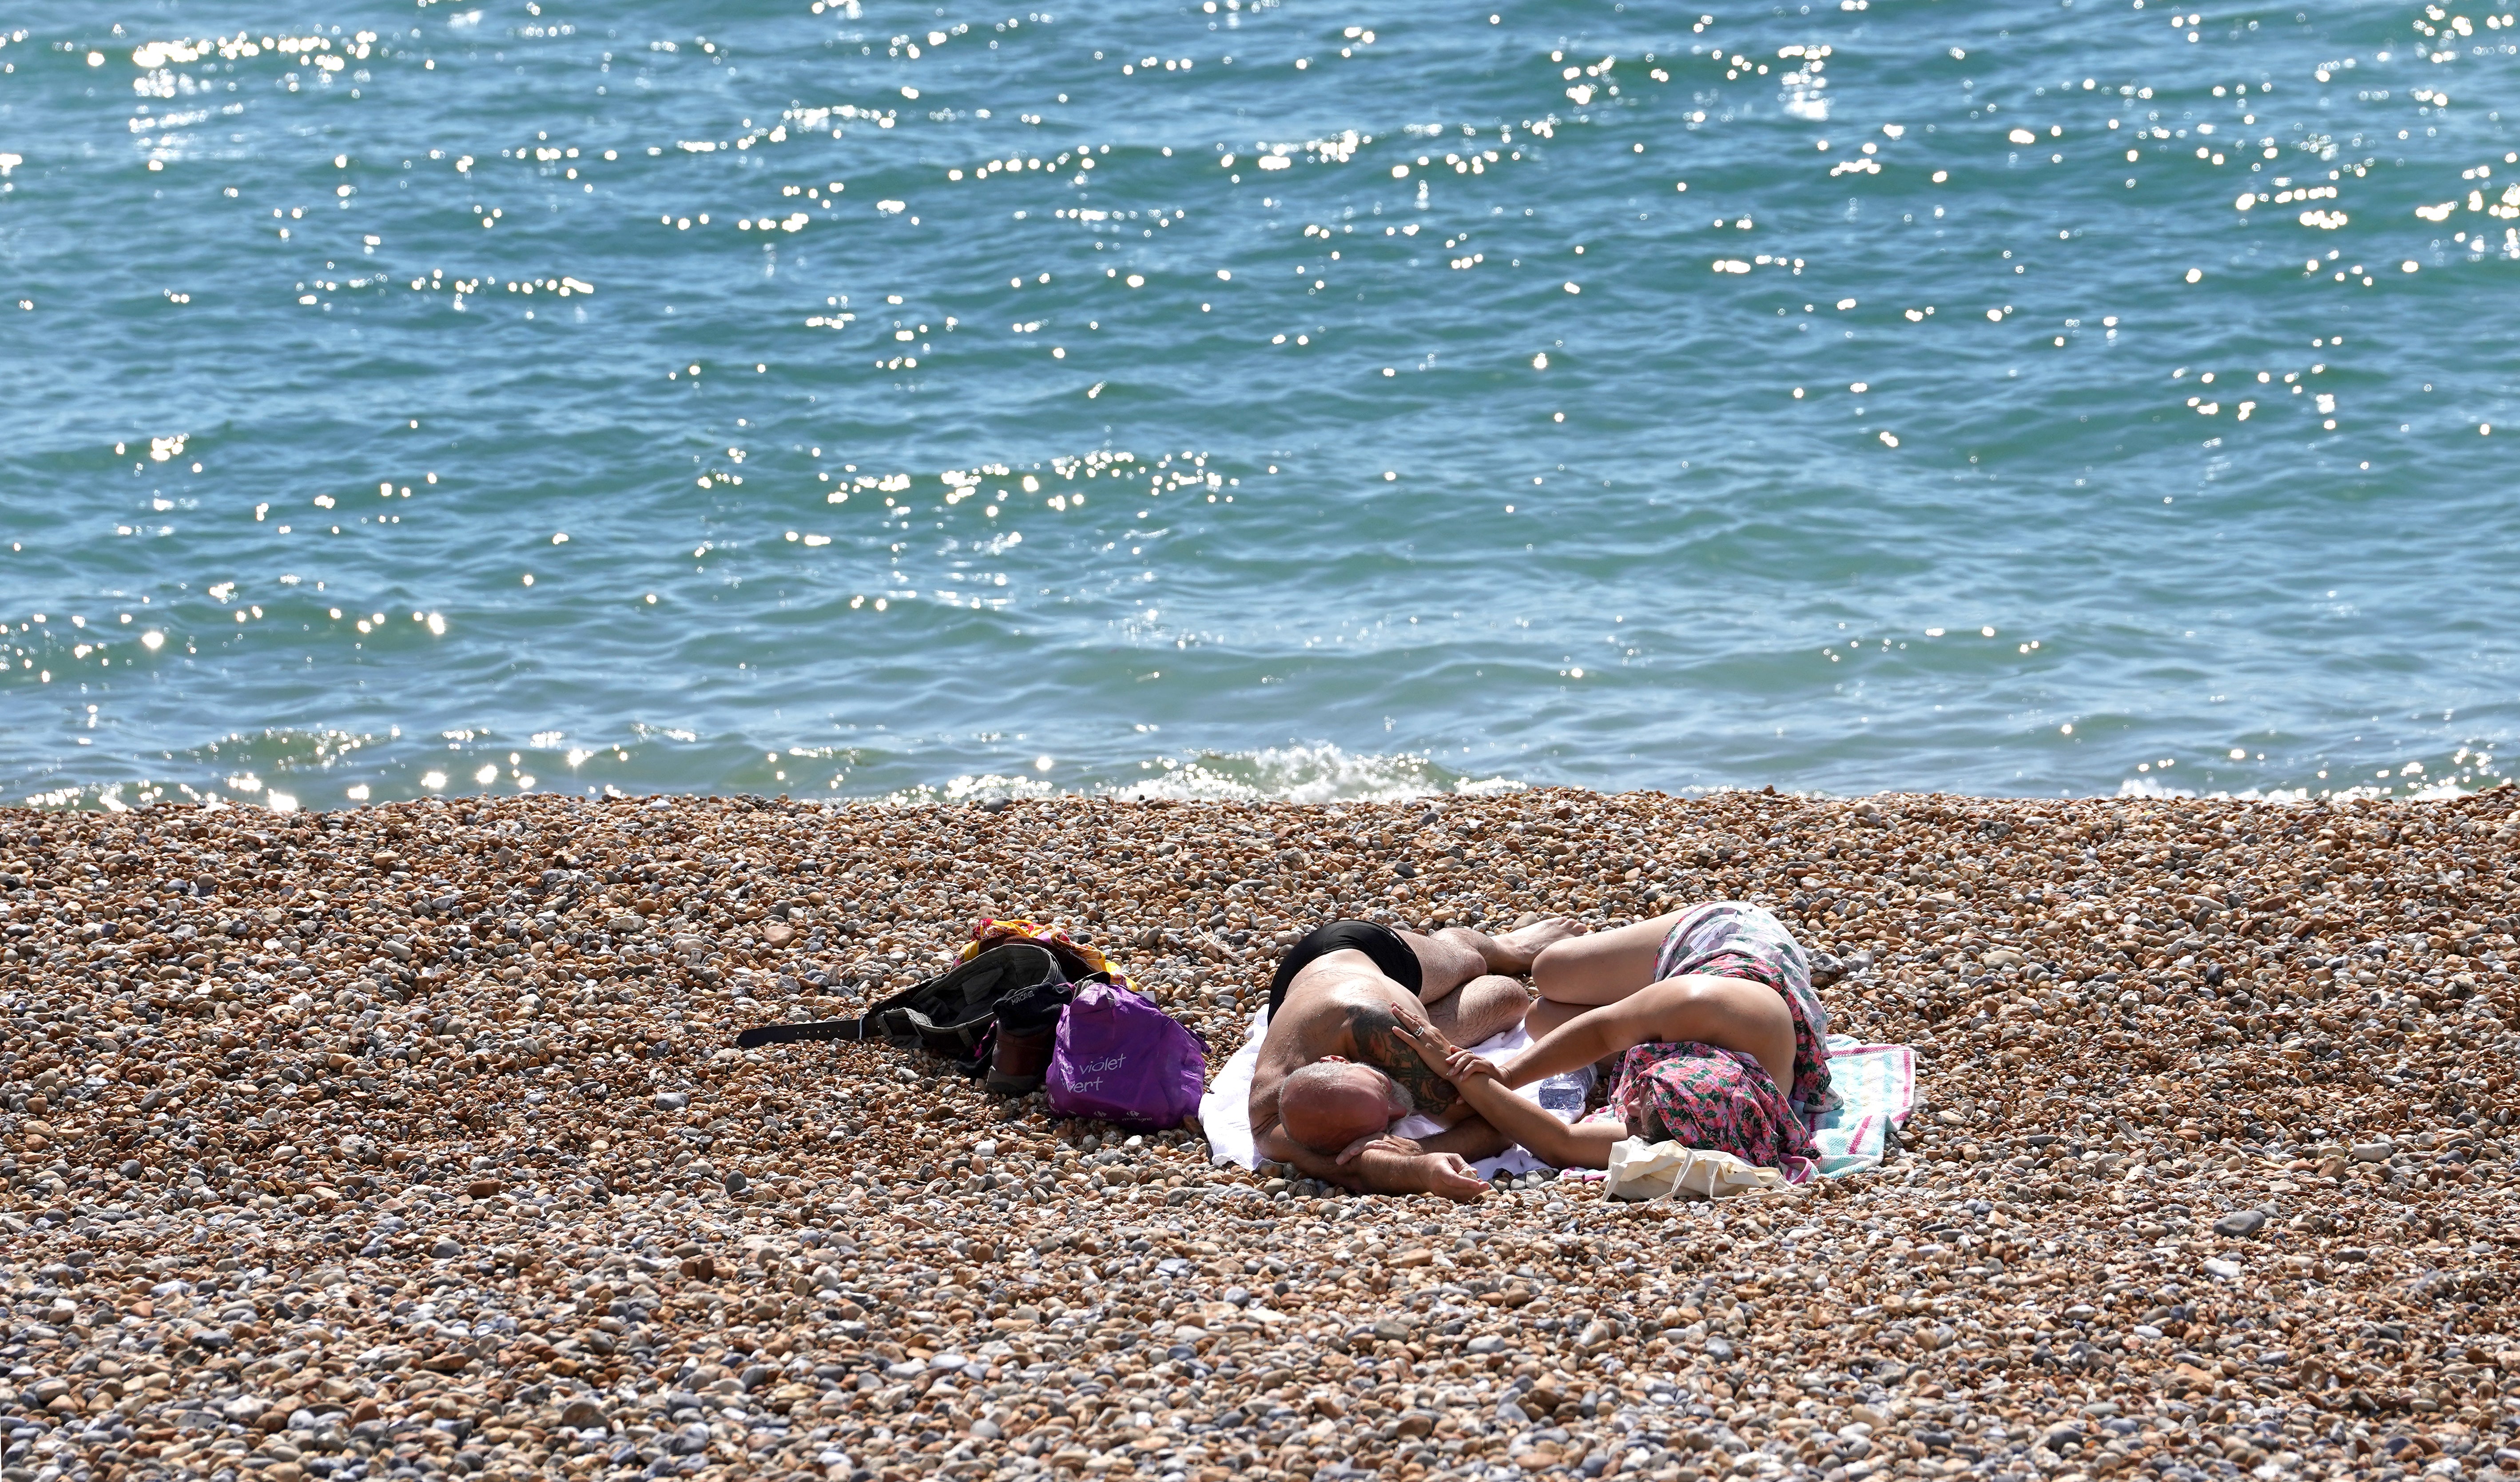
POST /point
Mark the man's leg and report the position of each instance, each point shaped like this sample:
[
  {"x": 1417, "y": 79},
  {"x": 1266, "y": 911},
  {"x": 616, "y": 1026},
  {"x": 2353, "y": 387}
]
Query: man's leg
[
  {"x": 1456, "y": 955},
  {"x": 1485, "y": 1006}
]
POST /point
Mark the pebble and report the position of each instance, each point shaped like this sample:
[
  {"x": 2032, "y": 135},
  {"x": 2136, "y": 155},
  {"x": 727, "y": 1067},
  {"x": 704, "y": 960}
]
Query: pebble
[
  {"x": 446, "y": 1162},
  {"x": 2241, "y": 1222}
]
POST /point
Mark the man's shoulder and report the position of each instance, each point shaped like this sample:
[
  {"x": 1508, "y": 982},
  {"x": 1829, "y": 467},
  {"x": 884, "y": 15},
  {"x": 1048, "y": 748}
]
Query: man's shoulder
[
  {"x": 1318, "y": 1022},
  {"x": 1335, "y": 993}
]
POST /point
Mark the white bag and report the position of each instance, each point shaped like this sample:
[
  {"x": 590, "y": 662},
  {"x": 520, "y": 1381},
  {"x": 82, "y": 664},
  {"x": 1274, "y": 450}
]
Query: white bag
[{"x": 1651, "y": 1171}]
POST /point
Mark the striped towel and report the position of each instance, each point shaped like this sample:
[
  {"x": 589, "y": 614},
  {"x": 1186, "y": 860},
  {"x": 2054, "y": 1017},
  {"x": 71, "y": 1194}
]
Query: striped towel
[{"x": 1874, "y": 1089}]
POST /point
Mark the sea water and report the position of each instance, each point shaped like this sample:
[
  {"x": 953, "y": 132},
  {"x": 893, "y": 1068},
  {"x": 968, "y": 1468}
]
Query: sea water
[{"x": 1254, "y": 399}]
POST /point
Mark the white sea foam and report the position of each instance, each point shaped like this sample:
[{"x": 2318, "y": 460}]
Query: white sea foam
[
  {"x": 2145, "y": 787},
  {"x": 1322, "y": 773},
  {"x": 976, "y": 787}
]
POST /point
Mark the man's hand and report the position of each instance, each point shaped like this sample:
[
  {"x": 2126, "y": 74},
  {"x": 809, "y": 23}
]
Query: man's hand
[
  {"x": 1448, "y": 1175},
  {"x": 1388, "y": 1164},
  {"x": 1380, "y": 1141}
]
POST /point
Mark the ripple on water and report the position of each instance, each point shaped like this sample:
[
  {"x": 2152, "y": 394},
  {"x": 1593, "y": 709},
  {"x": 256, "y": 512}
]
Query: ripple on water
[{"x": 1207, "y": 402}]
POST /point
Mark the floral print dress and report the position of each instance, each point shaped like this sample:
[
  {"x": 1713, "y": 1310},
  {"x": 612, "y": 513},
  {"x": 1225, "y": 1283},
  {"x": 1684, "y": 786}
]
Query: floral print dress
[{"x": 1700, "y": 1096}]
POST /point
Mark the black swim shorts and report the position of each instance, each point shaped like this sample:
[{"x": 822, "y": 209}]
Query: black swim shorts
[{"x": 1381, "y": 943}]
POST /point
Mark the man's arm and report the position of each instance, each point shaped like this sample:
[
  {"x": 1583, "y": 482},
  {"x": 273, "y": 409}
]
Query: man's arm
[
  {"x": 1469, "y": 1140},
  {"x": 1377, "y": 1170},
  {"x": 1472, "y": 1138}
]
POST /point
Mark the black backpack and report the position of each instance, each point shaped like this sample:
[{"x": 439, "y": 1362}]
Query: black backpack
[{"x": 952, "y": 1015}]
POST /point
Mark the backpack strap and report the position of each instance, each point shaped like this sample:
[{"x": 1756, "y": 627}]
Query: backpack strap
[
  {"x": 865, "y": 1026},
  {"x": 906, "y": 1025},
  {"x": 796, "y": 1034}
]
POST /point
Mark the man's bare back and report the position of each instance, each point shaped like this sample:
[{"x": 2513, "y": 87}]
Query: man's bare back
[{"x": 1335, "y": 1030}]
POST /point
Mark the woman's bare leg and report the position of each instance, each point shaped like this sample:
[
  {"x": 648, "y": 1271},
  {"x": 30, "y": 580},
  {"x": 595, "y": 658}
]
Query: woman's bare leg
[
  {"x": 1727, "y": 1013},
  {"x": 1603, "y": 966},
  {"x": 1547, "y": 1014}
]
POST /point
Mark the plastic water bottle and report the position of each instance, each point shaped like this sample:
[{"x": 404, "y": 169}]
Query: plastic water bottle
[{"x": 1565, "y": 1092}]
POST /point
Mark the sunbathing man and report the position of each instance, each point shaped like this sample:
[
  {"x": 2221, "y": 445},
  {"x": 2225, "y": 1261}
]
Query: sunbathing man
[
  {"x": 1335, "y": 1072},
  {"x": 1721, "y": 1044}
]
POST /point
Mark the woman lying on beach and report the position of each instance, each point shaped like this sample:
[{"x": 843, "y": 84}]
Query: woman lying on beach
[{"x": 1721, "y": 1042}]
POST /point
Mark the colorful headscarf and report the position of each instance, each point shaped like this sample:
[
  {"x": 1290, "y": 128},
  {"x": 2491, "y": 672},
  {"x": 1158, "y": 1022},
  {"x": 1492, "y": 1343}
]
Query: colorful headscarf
[{"x": 1073, "y": 956}]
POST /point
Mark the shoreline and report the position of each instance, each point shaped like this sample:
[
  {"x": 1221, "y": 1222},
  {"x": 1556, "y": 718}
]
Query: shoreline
[
  {"x": 302, "y": 1050},
  {"x": 993, "y": 789}
]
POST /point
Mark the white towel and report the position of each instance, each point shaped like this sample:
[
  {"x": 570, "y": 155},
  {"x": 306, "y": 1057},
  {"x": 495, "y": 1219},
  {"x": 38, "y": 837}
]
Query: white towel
[{"x": 1225, "y": 1112}]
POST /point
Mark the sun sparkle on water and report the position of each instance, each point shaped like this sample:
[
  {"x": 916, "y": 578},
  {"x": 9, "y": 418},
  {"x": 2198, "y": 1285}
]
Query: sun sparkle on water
[{"x": 495, "y": 399}]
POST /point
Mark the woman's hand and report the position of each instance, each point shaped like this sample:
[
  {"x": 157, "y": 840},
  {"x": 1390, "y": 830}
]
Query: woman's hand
[
  {"x": 1446, "y": 1058},
  {"x": 1430, "y": 1043}
]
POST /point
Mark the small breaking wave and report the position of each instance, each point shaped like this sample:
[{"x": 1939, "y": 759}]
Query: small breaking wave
[{"x": 1316, "y": 774}]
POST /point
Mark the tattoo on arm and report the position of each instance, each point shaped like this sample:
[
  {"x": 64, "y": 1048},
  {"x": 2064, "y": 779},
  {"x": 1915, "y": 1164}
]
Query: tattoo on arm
[{"x": 1379, "y": 1045}]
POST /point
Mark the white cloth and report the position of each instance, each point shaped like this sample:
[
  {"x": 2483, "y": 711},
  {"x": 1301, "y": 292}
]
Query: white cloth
[
  {"x": 1648, "y": 1171},
  {"x": 1225, "y": 1112}
]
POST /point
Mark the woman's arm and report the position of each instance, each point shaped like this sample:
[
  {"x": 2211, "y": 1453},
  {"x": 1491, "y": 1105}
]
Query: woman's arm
[
  {"x": 1585, "y": 1145},
  {"x": 1726, "y": 1012},
  {"x": 1518, "y": 1120},
  {"x": 1592, "y": 1035}
]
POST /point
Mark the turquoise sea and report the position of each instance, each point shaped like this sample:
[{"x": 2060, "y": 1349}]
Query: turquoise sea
[{"x": 1258, "y": 399}]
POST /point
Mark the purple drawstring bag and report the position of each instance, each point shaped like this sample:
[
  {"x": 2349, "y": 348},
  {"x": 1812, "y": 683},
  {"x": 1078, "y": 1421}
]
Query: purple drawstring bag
[{"x": 1120, "y": 1058}]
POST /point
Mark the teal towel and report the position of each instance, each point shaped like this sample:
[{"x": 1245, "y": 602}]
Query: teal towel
[{"x": 1874, "y": 1089}]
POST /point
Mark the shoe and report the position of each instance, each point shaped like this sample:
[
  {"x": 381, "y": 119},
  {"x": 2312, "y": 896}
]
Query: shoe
[{"x": 1017, "y": 1062}]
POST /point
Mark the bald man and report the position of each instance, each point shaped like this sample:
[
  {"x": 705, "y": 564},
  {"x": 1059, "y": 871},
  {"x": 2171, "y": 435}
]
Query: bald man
[{"x": 1335, "y": 1072}]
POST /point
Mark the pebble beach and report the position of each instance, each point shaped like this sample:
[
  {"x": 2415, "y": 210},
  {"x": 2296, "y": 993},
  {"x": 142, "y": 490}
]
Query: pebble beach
[{"x": 409, "y": 1142}]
